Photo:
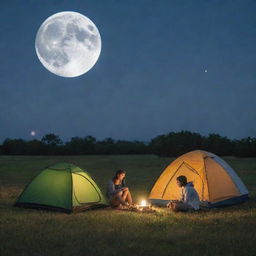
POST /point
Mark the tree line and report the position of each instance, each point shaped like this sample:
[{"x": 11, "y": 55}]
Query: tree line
[{"x": 171, "y": 144}]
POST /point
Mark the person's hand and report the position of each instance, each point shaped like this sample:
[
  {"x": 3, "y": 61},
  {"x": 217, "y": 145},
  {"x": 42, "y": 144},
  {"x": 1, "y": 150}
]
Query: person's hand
[{"x": 124, "y": 189}]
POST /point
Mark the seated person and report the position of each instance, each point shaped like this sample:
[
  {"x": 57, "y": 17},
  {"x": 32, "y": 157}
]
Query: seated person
[
  {"x": 189, "y": 199},
  {"x": 117, "y": 193}
]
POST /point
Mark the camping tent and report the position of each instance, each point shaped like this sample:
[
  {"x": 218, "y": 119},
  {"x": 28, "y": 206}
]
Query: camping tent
[
  {"x": 63, "y": 187},
  {"x": 214, "y": 180}
]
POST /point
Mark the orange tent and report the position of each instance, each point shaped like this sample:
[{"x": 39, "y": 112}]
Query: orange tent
[{"x": 214, "y": 180}]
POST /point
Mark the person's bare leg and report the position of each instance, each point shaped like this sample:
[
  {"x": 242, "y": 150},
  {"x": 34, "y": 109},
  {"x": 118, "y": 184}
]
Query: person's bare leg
[
  {"x": 179, "y": 207},
  {"x": 127, "y": 196},
  {"x": 120, "y": 197},
  {"x": 117, "y": 200}
]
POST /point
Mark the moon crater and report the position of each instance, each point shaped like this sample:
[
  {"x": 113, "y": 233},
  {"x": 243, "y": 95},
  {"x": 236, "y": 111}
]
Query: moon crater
[{"x": 68, "y": 44}]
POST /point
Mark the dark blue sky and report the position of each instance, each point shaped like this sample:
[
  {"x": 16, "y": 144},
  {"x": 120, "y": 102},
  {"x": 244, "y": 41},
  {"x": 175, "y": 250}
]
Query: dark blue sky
[{"x": 150, "y": 78}]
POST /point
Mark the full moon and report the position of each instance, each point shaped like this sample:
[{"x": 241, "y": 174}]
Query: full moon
[{"x": 68, "y": 44}]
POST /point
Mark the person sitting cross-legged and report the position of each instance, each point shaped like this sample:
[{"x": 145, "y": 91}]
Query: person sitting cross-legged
[
  {"x": 117, "y": 193},
  {"x": 189, "y": 199}
]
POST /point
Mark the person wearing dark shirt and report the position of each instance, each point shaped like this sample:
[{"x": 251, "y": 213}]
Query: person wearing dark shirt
[{"x": 118, "y": 193}]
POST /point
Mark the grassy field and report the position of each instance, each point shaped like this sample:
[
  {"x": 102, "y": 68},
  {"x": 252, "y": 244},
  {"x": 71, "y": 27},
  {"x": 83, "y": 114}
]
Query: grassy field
[{"x": 225, "y": 231}]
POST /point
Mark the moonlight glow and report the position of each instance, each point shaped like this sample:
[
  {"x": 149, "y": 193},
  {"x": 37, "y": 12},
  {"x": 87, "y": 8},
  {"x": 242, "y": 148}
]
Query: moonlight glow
[{"x": 68, "y": 44}]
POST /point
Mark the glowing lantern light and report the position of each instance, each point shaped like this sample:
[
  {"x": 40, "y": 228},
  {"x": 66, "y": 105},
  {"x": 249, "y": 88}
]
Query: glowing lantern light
[
  {"x": 145, "y": 207},
  {"x": 143, "y": 203}
]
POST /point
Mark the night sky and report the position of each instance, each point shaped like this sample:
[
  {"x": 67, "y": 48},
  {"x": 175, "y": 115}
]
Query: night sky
[{"x": 164, "y": 66}]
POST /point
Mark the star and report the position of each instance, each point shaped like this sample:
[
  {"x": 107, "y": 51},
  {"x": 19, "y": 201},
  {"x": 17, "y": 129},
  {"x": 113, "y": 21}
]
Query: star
[{"x": 32, "y": 133}]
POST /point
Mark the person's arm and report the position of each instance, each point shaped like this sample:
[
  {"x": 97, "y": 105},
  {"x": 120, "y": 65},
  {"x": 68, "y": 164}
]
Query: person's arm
[
  {"x": 111, "y": 188},
  {"x": 186, "y": 195},
  {"x": 182, "y": 194}
]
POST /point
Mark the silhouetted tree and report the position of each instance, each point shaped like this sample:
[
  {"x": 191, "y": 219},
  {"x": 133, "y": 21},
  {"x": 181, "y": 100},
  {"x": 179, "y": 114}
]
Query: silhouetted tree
[
  {"x": 14, "y": 147},
  {"x": 52, "y": 144},
  {"x": 172, "y": 144},
  {"x": 51, "y": 139},
  {"x": 217, "y": 144},
  {"x": 105, "y": 147},
  {"x": 175, "y": 144},
  {"x": 79, "y": 145},
  {"x": 245, "y": 147},
  {"x": 35, "y": 147}
]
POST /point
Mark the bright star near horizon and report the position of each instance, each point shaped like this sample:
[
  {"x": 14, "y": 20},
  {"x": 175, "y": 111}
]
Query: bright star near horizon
[{"x": 32, "y": 133}]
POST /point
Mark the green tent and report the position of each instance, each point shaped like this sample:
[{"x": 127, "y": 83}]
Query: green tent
[{"x": 63, "y": 187}]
